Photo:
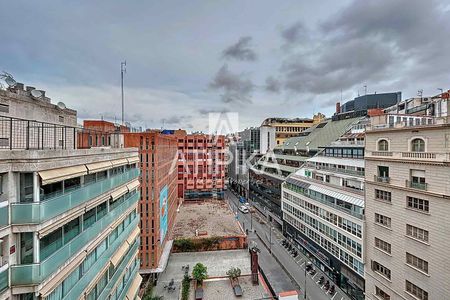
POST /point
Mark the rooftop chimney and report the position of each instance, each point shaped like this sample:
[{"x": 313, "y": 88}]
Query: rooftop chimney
[
  {"x": 338, "y": 107},
  {"x": 19, "y": 86},
  {"x": 30, "y": 88}
]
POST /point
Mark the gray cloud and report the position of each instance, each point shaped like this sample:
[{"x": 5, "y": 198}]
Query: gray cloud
[
  {"x": 172, "y": 120},
  {"x": 295, "y": 33},
  {"x": 204, "y": 111},
  {"x": 235, "y": 87},
  {"x": 369, "y": 42},
  {"x": 241, "y": 50},
  {"x": 272, "y": 85}
]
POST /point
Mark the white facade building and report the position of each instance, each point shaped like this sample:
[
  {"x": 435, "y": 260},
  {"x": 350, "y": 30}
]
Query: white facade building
[{"x": 323, "y": 210}]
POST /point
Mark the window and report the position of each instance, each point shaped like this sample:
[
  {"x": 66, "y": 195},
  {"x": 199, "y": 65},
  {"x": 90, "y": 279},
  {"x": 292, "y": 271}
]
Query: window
[
  {"x": 26, "y": 187},
  {"x": 383, "y": 145},
  {"x": 383, "y": 171},
  {"x": 418, "y": 204},
  {"x": 383, "y": 195},
  {"x": 416, "y": 291},
  {"x": 383, "y": 220},
  {"x": 418, "y": 145},
  {"x": 61, "y": 119},
  {"x": 381, "y": 294},
  {"x": 71, "y": 230},
  {"x": 26, "y": 248},
  {"x": 71, "y": 280},
  {"x": 382, "y": 245},
  {"x": 50, "y": 243},
  {"x": 417, "y": 233},
  {"x": 89, "y": 218},
  {"x": 4, "y": 108},
  {"x": 417, "y": 262},
  {"x": 380, "y": 269}
]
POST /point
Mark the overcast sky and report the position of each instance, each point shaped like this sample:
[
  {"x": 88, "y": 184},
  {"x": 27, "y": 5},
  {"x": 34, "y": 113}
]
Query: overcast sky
[{"x": 258, "y": 58}]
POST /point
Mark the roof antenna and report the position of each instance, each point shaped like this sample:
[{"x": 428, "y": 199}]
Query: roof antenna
[{"x": 123, "y": 70}]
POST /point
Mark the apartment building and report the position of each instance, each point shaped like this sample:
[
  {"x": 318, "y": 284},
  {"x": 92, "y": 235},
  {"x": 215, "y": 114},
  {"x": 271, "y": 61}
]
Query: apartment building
[
  {"x": 249, "y": 145},
  {"x": 159, "y": 199},
  {"x": 68, "y": 216},
  {"x": 323, "y": 210},
  {"x": 286, "y": 128},
  {"x": 407, "y": 193},
  {"x": 272, "y": 169},
  {"x": 201, "y": 166}
]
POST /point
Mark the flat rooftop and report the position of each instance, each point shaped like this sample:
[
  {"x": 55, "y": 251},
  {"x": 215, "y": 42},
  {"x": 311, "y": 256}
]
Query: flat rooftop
[
  {"x": 212, "y": 217},
  {"x": 217, "y": 262},
  {"x": 220, "y": 289}
]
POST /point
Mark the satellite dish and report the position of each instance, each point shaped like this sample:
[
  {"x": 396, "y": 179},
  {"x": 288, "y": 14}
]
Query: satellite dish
[
  {"x": 61, "y": 105},
  {"x": 36, "y": 93},
  {"x": 10, "y": 81}
]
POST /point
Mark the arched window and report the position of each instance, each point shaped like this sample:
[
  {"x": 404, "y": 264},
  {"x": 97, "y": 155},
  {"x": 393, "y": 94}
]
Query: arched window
[
  {"x": 383, "y": 145},
  {"x": 418, "y": 145}
]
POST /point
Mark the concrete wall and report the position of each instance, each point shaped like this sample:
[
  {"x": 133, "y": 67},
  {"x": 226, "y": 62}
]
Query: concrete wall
[
  {"x": 267, "y": 139},
  {"x": 23, "y": 106}
]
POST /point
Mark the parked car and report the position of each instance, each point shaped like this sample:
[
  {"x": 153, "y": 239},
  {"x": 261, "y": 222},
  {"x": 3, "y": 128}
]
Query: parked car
[{"x": 243, "y": 209}]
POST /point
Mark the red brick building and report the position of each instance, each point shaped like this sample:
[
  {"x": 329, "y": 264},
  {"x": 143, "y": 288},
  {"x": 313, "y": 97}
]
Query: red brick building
[
  {"x": 201, "y": 166},
  {"x": 99, "y": 133},
  {"x": 159, "y": 199}
]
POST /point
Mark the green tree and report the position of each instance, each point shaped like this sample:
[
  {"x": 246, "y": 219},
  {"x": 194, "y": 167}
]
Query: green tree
[
  {"x": 234, "y": 273},
  {"x": 199, "y": 272}
]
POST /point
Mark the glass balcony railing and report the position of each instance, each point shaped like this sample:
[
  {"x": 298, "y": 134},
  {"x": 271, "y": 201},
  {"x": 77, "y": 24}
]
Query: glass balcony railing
[
  {"x": 35, "y": 213},
  {"x": 3, "y": 279},
  {"x": 4, "y": 217},
  {"x": 128, "y": 284},
  {"x": 33, "y": 274},
  {"x": 119, "y": 272},
  {"x": 81, "y": 285}
]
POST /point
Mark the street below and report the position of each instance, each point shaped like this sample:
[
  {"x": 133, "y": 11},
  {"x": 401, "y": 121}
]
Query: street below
[{"x": 289, "y": 271}]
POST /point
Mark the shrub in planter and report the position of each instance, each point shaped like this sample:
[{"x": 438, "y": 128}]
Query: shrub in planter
[{"x": 185, "y": 287}]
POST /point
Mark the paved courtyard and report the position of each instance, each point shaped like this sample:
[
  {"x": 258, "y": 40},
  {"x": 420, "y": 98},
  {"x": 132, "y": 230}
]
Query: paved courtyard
[
  {"x": 217, "y": 262},
  {"x": 220, "y": 289}
]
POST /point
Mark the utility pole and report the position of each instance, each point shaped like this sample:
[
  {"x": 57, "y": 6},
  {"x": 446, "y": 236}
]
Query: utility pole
[
  {"x": 270, "y": 240},
  {"x": 123, "y": 70}
]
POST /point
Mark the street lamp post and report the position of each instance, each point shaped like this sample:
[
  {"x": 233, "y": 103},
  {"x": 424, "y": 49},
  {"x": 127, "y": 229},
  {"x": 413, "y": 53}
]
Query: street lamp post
[
  {"x": 270, "y": 240},
  {"x": 304, "y": 296}
]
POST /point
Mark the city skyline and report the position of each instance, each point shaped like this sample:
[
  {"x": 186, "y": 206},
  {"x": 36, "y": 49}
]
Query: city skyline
[{"x": 259, "y": 57}]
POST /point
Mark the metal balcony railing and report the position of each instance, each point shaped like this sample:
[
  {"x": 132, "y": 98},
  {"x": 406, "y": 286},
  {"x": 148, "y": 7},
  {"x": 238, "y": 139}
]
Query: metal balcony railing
[
  {"x": 21, "y": 134},
  {"x": 416, "y": 185},
  {"x": 383, "y": 179}
]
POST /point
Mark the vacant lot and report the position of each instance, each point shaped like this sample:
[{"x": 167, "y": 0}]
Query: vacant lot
[{"x": 212, "y": 217}]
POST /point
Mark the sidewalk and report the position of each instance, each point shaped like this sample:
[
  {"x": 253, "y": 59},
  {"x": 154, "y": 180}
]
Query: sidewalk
[{"x": 294, "y": 268}]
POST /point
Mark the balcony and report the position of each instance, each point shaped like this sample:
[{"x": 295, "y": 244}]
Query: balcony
[
  {"x": 3, "y": 278},
  {"x": 411, "y": 156},
  {"x": 383, "y": 179},
  {"x": 33, "y": 274},
  {"x": 416, "y": 185},
  {"x": 381, "y": 153},
  {"x": 4, "y": 216},
  {"x": 39, "y": 212},
  {"x": 336, "y": 170},
  {"x": 114, "y": 280}
]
